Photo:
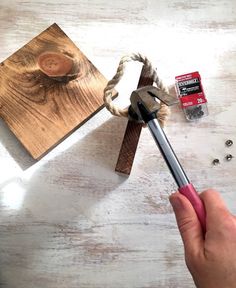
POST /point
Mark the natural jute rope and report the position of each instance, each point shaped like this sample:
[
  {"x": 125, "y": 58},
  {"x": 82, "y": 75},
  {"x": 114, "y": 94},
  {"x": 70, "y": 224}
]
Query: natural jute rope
[{"x": 163, "y": 111}]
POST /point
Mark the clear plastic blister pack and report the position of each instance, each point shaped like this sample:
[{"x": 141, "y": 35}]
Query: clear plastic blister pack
[{"x": 191, "y": 94}]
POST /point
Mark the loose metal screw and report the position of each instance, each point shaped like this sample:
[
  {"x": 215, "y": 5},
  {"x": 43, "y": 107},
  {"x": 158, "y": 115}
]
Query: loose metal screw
[
  {"x": 228, "y": 157},
  {"x": 229, "y": 143},
  {"x": 216, "y": 162}
]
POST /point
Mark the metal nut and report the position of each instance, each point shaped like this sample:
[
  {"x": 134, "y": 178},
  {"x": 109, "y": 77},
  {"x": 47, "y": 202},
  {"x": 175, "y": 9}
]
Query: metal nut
[
  {"x": 228, "y": 157},
  {"x": 216, "y": 162},
  {"x": 194, "y": 112},
  {"x": 229, "y": 143}
]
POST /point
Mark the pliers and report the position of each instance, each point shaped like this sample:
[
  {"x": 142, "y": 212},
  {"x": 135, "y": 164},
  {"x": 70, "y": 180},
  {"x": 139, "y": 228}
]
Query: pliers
[{"x": 144, "y": 107}]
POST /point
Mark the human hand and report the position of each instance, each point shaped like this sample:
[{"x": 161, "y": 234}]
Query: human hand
[{"x": 211, "y": 261}]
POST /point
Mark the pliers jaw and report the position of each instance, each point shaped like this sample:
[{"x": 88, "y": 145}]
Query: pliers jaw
[{"x": 146, "y": 98}]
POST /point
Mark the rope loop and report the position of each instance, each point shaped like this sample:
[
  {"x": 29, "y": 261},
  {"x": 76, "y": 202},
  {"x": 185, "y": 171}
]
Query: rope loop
[{"x": 163, "y": 112}]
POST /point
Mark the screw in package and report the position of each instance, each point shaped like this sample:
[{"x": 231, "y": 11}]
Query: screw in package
[{"x": 191, "y": 94}]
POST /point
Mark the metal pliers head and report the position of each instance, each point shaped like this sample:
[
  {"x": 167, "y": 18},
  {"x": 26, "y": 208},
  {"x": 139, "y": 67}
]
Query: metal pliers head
[{"x": 148, "y": 98}]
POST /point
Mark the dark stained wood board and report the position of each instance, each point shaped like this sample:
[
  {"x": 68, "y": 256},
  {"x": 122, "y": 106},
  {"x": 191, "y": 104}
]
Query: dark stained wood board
[
  {"x": 39, "y": 110},
  {"x": 131, "y": 137}
]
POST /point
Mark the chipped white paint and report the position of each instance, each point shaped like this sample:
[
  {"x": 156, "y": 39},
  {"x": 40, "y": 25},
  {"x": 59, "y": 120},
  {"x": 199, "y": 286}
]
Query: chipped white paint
[{"x": 69, "y": 220}]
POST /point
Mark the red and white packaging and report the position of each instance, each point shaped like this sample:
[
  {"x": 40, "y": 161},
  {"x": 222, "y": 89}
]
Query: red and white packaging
[{"x": 191, "y": 94}]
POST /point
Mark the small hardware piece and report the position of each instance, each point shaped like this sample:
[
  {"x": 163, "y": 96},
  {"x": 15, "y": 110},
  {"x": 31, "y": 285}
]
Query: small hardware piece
[
  {"x": 194, "y": 113},
  {"x": 229, "y": 143},
  {"x": 228, "y": 157},
  {"x": 216, "y": 162},
  {"x": 191, "y": 95}
]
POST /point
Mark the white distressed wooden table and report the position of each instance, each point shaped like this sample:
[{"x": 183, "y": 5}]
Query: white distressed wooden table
[{"x": 69, "y": 220}]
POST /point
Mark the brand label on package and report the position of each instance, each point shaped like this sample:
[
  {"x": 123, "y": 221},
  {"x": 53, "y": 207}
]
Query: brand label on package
[{"x": 190, "y": 91}]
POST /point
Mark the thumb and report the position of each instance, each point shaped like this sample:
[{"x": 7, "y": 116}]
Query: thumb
[{"x": 188, "y": 224}]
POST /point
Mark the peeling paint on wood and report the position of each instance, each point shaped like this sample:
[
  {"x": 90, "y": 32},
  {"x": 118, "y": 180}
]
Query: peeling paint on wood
[{"x": 69, "y": 220}]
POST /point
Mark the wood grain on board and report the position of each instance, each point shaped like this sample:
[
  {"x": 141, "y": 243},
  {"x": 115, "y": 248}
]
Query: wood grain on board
[
  {"x": 40, "y": 110},
  {"x": 131, "y": 137}
]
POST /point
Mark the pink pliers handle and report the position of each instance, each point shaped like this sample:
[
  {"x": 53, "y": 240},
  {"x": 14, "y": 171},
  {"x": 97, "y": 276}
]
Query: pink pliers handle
[{"x": 191, "y": 194}]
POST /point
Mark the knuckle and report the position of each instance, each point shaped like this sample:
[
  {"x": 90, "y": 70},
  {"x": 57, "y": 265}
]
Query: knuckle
[{"x": 186, "y": 224}]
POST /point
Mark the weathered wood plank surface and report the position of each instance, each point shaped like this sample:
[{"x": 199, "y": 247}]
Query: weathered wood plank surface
[{"x": 69, "y": 220}]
